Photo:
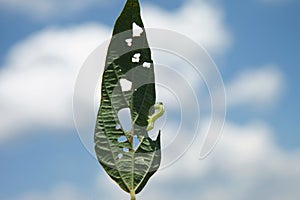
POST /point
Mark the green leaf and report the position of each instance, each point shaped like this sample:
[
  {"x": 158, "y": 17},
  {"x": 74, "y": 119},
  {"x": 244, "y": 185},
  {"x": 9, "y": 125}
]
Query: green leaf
[{"x": 131, "y": 157}]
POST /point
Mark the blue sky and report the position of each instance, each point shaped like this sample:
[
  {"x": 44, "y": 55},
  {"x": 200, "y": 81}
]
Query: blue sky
[{"x": 254, "y": 43}]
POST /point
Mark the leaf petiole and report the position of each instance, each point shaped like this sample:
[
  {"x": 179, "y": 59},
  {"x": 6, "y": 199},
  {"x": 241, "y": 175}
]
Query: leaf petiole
[{"x": 132, "y": 195}]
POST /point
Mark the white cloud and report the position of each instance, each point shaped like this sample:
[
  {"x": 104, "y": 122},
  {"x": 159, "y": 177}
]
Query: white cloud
[
  {"x": 36, "y": 83},
  {"x": 44, "y": 9},
  {"x": 199, "y": 20},
  {"x": 258, "y": 88}
]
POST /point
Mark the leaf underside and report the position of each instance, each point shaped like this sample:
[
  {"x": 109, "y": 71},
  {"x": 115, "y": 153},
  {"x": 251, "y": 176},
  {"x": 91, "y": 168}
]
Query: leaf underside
[{"x": 130, "y": 165}]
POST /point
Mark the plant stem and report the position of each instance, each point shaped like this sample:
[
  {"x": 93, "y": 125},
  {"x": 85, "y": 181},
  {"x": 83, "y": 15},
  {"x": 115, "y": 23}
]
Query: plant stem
[{"x": 132, "y": 195}]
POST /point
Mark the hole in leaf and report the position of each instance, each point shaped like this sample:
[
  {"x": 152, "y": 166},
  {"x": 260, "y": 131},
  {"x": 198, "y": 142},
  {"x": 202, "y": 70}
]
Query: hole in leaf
[
  {"x": 125, "y": 85},
  {"x": 136, "y": 58},
  {"x": 146, "y": 64},
  {"x": 125, "y": 118},
  {"x": 129, "y": 42},
  {"x": 120, "y": 155},
  {"x": 118, "y": 126},
  {"x": 126, "y": 150},
  {"x": 122, "y": 139},
  {"x": 136, "y": 142},
  {"x": 136, "y": 30}
]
